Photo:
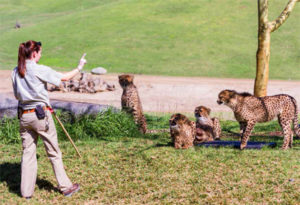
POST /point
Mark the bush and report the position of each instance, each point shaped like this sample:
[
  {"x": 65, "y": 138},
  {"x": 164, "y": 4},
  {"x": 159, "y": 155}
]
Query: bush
[
  {"x": 9, "y": 131},
  {"x": 109, "y": 125}
]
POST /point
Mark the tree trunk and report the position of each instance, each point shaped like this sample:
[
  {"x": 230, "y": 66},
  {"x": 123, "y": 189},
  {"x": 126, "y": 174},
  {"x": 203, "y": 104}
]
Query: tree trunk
[
  {"x": 263, "y": 51},
  {"x": 262, "y": 63}
]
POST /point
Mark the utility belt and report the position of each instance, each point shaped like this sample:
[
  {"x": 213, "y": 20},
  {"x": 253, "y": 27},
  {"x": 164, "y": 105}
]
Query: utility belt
[{"x": 39, "y": 110}]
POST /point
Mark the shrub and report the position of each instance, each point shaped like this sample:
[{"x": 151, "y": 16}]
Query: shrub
[
  {"x": 9, "y": 130},
  {"x": 109, "y": 125}
]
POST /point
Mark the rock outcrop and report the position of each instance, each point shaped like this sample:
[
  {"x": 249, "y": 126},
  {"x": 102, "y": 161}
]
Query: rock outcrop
[
  {"x": 8, "y": 107},
  {"x": 86, "y": 83}
]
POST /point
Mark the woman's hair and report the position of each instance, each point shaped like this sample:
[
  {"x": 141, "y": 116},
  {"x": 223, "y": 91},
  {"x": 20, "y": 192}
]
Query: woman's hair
[{"x": 25, "y": 51}]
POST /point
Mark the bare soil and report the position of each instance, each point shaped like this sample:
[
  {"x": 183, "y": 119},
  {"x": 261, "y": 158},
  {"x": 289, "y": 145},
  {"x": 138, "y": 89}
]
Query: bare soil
[{"x": 168, "y": 94}]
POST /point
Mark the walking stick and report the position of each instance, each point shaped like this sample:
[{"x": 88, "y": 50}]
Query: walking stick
[{"x": 62, "y": 126}]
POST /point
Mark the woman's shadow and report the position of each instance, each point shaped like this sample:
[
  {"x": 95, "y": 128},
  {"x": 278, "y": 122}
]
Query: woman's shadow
[{"x": 10, "y": 174}]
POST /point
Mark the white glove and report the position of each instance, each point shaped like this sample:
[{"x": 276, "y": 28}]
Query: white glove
[{"x": 82, "y": 62}]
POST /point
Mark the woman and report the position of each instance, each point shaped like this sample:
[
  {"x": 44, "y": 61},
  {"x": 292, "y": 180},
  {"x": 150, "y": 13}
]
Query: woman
[{"x": 29, "y": 83}]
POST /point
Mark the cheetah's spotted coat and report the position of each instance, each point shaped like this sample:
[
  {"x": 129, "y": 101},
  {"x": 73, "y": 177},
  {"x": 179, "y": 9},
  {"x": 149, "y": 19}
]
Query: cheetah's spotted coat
[{"x": 248, "y": 110}]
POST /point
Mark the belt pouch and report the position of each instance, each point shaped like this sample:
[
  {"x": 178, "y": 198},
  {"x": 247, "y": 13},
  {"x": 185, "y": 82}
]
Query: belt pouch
[
  {"x": 40, "y": 112},
  {"x": 20, "y": 110}
]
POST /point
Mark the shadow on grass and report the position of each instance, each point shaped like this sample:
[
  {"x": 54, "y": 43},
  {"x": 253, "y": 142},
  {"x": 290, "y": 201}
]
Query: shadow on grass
[
  {"x": 10, "y": 173},
  {"x": 157, "y": 145},
  {"x": 276, "y": 136}
]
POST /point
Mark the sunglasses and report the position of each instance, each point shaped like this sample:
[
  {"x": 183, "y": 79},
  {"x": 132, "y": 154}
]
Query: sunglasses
[{"x": 39, "y": 43}]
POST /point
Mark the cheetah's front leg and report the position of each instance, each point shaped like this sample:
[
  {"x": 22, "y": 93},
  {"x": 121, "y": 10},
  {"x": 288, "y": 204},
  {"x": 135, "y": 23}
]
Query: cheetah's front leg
[
  {"x": 246, "y": 134},
  {"x": 177, "y": 145},
  {"x": 242, "y": 128},
  {"x": 216, "y": 128},
  {"x": 287, "y": 132}
]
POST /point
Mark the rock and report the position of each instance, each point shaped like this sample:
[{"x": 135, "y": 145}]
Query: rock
[
  {"x": 17, "y": 25},
  {"x": 87, "y": 83},
  {"x": 291, "y": 180},
  {"x": 77, "y": 108},
  {"x": 8, "y": 107},
  {"x": 99, "y": 71}
]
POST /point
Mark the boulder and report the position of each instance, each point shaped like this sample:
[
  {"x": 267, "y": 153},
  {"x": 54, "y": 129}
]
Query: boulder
[
  {"x": 8, "y": 107},
  {"x": 99, "y": 71},
  {"x": 86, "y": 83},
  {"x": 77, "y": 108}
]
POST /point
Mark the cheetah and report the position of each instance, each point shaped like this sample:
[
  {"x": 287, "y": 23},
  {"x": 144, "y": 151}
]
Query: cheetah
[
  {"x": 248, "y": 110},
  {"x": 131, "y": 102},
  {"x": 182, "y": 130},
  {"x": 207, "y": 129}
]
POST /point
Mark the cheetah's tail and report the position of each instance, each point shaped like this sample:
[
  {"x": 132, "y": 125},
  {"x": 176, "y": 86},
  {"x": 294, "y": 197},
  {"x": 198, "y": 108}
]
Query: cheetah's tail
[{"x": 295, "y": 120}]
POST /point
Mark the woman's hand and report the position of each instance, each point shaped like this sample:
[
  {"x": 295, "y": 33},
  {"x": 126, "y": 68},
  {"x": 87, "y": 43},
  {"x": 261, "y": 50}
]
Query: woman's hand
[
  {"x": 82, "y": 62},
  {"x": 69, "y": 75}
]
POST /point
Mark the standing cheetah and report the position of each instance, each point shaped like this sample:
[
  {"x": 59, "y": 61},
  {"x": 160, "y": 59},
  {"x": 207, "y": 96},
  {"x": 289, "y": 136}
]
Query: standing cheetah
[
  {"x": 131, "y": 102},
  {"x": 248, "y": 110}
]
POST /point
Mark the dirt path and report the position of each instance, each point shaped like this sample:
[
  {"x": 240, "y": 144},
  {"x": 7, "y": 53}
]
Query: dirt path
[{"x": 168, "y": 94}]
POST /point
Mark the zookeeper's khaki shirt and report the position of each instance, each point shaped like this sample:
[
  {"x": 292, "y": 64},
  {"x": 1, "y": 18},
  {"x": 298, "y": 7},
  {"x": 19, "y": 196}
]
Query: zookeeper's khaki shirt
[{"x": 32, "y": 89}]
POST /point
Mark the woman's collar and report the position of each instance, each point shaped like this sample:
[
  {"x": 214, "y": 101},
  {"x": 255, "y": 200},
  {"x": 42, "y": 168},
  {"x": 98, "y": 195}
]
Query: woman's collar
[{"x": 30, "y": 61}]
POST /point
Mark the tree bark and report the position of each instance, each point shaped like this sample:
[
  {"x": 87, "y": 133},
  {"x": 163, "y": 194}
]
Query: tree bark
[
  {"x": 262, "y": 64},
  {"x": 263, "y": 50},
  {"x": 264, "y": 36},
  {"x": 284, "y": 15}
]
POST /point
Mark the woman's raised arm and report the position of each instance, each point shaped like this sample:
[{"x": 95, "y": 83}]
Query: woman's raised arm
[{"x": 69, "y": 75}]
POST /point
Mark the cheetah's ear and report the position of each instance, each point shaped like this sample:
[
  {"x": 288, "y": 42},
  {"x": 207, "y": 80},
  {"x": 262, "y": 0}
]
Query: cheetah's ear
[
  {"x": 130, "y": 78},
  {"x": 208, "y": 111},
  {"x": 232, "y": 94}
]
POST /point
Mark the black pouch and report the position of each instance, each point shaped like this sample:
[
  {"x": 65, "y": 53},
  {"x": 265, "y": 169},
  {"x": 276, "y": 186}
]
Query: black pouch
[
  {"x": 20, "y": 110},
  {"x": 40, "y": 112}
]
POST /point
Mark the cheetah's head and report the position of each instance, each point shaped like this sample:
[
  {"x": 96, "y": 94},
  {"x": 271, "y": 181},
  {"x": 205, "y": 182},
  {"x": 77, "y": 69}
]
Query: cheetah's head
[
  {"x": 125, "y": 80},
  {"x": 177, "y": 120},
  {"x": 202, "y": 113},
  {"x": 226, "y": 96}
]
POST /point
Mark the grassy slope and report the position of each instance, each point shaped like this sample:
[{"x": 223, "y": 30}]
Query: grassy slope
[
  {"x": 165, "y": 37},
  {"x": 146, "y": 169}
]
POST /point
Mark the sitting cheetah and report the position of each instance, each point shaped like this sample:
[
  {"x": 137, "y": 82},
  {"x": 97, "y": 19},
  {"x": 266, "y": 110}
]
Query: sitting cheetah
[
  {"x": 182, "y": 131},
  {"x": 207, "y": 129},
  {"x": 248, "y": 110},
  {"x": 131, "y": 102}
]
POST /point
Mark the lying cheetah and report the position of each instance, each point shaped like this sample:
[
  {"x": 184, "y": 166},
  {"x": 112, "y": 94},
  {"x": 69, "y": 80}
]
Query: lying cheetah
[
  {"x": 248, "y": 110},
  {"x": 182, "y": 131},
  {"x": 207, "y": 129},
  {"x": 131, "y": 102}
]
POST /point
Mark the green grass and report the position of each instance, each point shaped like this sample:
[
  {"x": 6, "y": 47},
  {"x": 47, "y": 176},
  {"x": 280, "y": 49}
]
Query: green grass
[
  {"x": 147, "y": 170},
  {"x": 106, "y": 126},
  {"x": 165, "y": 37}
]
